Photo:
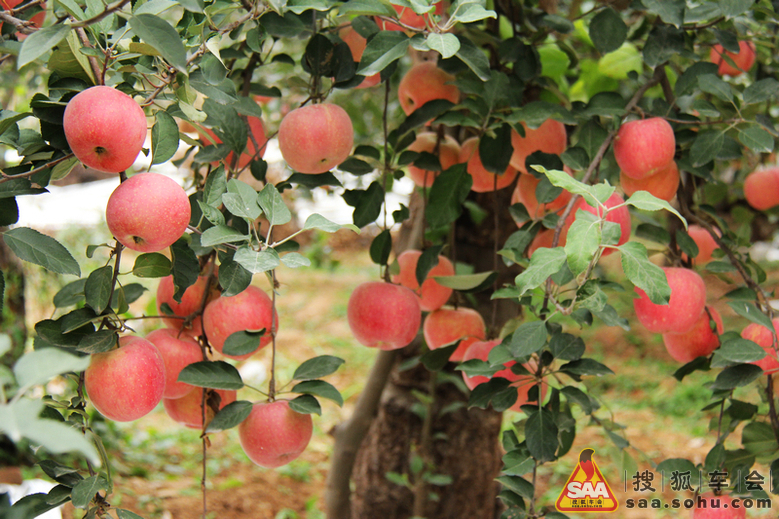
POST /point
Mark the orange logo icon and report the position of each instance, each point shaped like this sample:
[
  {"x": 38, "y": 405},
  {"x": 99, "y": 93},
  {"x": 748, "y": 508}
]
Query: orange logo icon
[{"x": 586, "y": 489}]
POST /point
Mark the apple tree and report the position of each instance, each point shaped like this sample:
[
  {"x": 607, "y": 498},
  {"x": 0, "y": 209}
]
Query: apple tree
[{"x": 543, "y": 137}]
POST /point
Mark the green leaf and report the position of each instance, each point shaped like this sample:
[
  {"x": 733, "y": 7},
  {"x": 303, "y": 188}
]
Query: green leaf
[
  {"x": 257, "y": 262},
  {"x": 230, "y": 416},
  {"x": 647, "y": 202},
  {"x": 367, "y": 204},
  {"x": 98, "y": 342},
  {"x": 586, "y": 367},
  {"x": 565, "y": 346},
  {"x": 740, "y": 350},
  {"x": 495, "y": 152},
  {"x": 85, "y": 490},
  {"x": 40, "y": 42},
  {"x": 449, "y": 191},
  {"x": 164, "y": 137},
  {"x": 584, "y": 238},
  {"x": 271, "y": 203},
  {"x": 152, "y": 265},
  {"x": 737, "y": 376},
  {"x": 306, "y": 404},
  {"x": 233, "y": 278},
  {"x": 317, "y": 367},
  {"x": 219, "y": 234},
  {"x": 757, "y": 139},
  {"x": 517, "y": 484},
  {"x": 570, "y": 184},
  {"x": 670, "y": 11},
  {"x": 317, "y": 221},
  {"x": 241, "y": 200},
  {"x": 750, "y": 311},
  {"x": 214, "y": 374},
  {"x": 474, "y": 58},
  {"x": 319, "y": 388},
  {"x": 294, "y": 260},
  {"x": 608, "y": 31},
  {"x": 216, "y": 186},
  {"x": 40, "y": 366},
  {"x": 706, "y": 147},
  {"x": 468, "y": 12},
  {"x": 464, "y": 282},
  {"x": 544, "y": 263},
  {"x": 528, "y": 339},
  {"x": 761, "y": 91},
  {"x": 30, "y": 245},
  {"x": 445, "y": 44},
  {"x": 381, "y": 247},
  {"x": 579, "y": 397},
  {"x": 97, "y": 290},
  {"x": 643, "y": 273},
  {"x": 382, "y": 50},
  {"x": 426, "y": 262},
  {"x": 242, "y": 342},
  {"x": 121, "y": 512},
  {"x": 163, "y": 37},
  {"x": 711, "y": 84},
  {"x": 732, "y": 8},
  {"x": 541, "y": 435},
  {"x": 186, "y": 267}
]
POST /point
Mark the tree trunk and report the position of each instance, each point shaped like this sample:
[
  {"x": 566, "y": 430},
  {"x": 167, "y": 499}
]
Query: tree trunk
[{"x": 12, "y": 317}]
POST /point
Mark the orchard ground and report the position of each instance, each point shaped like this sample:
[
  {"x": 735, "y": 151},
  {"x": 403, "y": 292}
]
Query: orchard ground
[{"x": 158, "y": 463}]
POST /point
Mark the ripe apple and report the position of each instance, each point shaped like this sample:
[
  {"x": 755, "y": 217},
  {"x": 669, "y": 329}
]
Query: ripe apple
[
  {"x": 147, "y": 212},
  {"x": 190, "y": 302},
  {"x": 550, "y": 137},
  {"x": 409, "y": 17},
  {"x": 357, "y": 46},
  {"x": 688, "y": 298},
  {"x": 188, "y": 410},
  {"x": 709, "y": 506},
  {"x": 126, "y": 383},
  {"x": 273, "y": 434},
  {"x": 761, "y": 188},
  {"x": 256, "y": 133},
  {"x": 251, "y": 309},
  {"x": 425, "y": 82},
  {"x": 432, "y": 296},
  {"x": 459, "y": 352},
  {"x": 644, "y": 146},
  {"x": 545, "y": 238},
  {"x": 36, "y": 19},
  {"x": 483, "y": 180},
  {"x": 525, "y": 194},
  {"x": 743, "y": 60},
  {"x": 699, "y": 341},
  {"x": 662, "y": 184},
  {"x": 446, "y": 325},
  {"x": 619, "y": 216},
  {"x": 177, "y": 353},
  {"x": 382, "y": 315},
  {"x": 762, "y": 336},
  {"x": 704, "y": 241},
  {"x": 316, "y": 138},
  {"x": 448, "y": 156},
  {"x": 109, "y": 138}
]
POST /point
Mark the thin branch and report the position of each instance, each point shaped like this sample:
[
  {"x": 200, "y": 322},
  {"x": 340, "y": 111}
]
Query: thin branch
[
  {"x": 97, "y": 70},
  {"x": 5, "y": 177},
  {"x": 108, "y": 11}
]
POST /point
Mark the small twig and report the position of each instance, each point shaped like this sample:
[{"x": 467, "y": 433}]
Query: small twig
[
  {"x": 5, "y": 177},
  {"x": 108, "y": 11},
  {"x": 97, "y": 70}
]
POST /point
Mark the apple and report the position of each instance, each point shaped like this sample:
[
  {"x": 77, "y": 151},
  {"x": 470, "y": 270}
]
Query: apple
[
  {"x": 550, "y": 137},
  {"x": 447, "y": 325},
  {"x": 763, "y": 337},
  {"x": 316, "y": 138},
  {"x": 644, "y": 146},
  {"x": 273, "y": 434},
  {"x": 688, "y": 298},
  {"x": 147, "y": 212},
  {"x": 105, "y": 128},
  {"x": 483, "y": 180},
  {"x": 761, "y": 188},
  {"x": 662, "y": 184},
  {"x": 126, "y": 383},
  {"x": 459, "y": 352},
  {"x": 704, "y": 241},
  {"x": 409, "y": 17},
  {"x": 425, "y": 82},
  {"x": 36, "y": 19},
  {"x": 743, "y": 60},
  {"x": 699, "y": 341},
  {"x": 251, "y": 309},
  {"x": 177, "y": 353},
  {"x": 481, "y": 350},
  {"x": 525, "y": 194},
  {"x": 710, "y": 506},
  {"x": 190, "y": 302},
  {"x": 432, "y": 295},
  {"x": 620, "y": 216},
  {"x": 448, "y": 156},
  {"x": 382, "y": 315},
  {"x": 188, "y": 409},
  {"x": 357, "y": 46},
  {"x": 256, "y": 133},
  {"x": 545, "y": 238}
]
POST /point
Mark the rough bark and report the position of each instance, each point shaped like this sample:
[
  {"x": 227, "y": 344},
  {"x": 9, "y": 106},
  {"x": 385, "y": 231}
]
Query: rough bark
[{"x": 12, "y": 317}]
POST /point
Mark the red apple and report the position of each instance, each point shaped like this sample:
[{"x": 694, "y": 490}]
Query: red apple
[
  {"x": 147, "y": 212},
  {"x": 447, "y": 325},
  {"x": 448, "y": 156},
  {"x": 619, "y": 216},
  {"x": 188, "y": 409},
  {"x": 704, "y": 241},
  {"x": 316, "y": 138},
  {"x": 177, "y": 352},
  {"x": 550, "y": 137},
  {"x": 432, "y": 296},
  {"x": 761, "y": 188},
  {"x": 459, "y": 352},
  {"x": 743, "y": 60},
  {"x": 274, "y": 435},
  {"x": 256, "y": 133},
  {"x": 709, "y": 506},
  {"x": 105, "y": 128},
  {"x": 643, "y": 147},
  {"x": 483, "y": 180},
  {"x": 251, "y": 310},
  {"x": 688, "y": 298},
  {"x": 662, "y": 184},
  {"x": 126, "y": 383},
  {"x": 762, "y": 337},
  {"x": 699, "y": 341},
  {"x": 544, "y": 239},
  {"x": 190, "y": 302},
  {"x": 382, "y": 315},
  {"x": 425, "y": 82},
  {"x": 357, "y": 46}
]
